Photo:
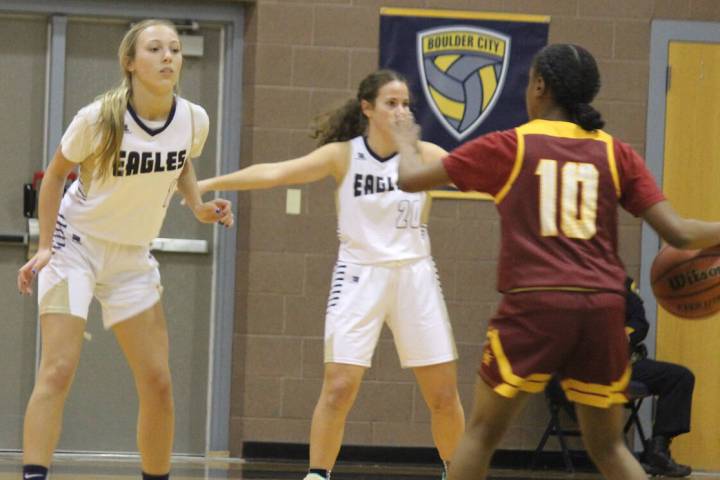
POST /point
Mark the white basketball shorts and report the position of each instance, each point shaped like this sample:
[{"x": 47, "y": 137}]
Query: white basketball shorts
[
  {"x": 124, "y": 278},
  {"x": 406, "y": 295}
]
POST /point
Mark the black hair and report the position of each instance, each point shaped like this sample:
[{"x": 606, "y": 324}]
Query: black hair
[
  {"x": 573, "y": 77},
  {"x": 348, "y": 121}
]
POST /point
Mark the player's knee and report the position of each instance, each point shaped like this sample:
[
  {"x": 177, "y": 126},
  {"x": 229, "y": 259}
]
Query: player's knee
[
  {"x": 602, "y": 450},
  {"x": 484, "y": 432},
  {"x": 443, "y": 400},
  {"x": 338, "y": 393},
  {"x": 157, "y": 382},
  {"x": 57, "y": 376}
]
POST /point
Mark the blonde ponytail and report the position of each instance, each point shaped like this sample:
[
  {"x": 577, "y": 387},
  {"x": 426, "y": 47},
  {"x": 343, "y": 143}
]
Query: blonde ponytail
[{"x": 110, "y": 128}]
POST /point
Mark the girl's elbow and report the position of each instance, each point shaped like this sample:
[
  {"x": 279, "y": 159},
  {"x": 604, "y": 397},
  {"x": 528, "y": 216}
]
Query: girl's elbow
[
  {"x": 407, "y": 185},
  {"x": 678, "y": 242},
  {"x": 678, "y": 239}
]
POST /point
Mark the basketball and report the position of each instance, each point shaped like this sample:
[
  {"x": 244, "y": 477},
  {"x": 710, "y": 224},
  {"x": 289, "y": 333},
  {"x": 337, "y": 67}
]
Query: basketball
[{"x": 686, "y": 283}]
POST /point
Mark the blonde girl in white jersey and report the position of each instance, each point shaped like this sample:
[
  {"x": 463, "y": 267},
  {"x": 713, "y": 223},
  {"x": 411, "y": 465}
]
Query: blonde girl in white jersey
[
  {"x": 384, "y": 269},
  {"x": 133, "y": 146}
]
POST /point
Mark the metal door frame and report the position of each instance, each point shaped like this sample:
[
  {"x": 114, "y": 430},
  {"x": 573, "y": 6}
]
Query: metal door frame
[
  {"x": 231, "y": 16},
  {"x": 662, "y": 33}
]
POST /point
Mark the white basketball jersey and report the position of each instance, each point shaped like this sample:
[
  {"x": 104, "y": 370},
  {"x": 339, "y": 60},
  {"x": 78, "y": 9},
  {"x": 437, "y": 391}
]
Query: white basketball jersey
[
  {"x": 129, "y": 205},
  {"x": 378, "y": 222}
]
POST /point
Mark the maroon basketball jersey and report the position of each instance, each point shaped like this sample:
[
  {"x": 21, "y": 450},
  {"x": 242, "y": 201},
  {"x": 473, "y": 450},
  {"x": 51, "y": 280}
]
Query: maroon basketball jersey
[{"x": 557, "y": 188}]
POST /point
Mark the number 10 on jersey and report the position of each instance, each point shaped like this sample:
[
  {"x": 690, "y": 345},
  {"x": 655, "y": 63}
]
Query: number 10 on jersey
[{"x": 575, "y": 196}]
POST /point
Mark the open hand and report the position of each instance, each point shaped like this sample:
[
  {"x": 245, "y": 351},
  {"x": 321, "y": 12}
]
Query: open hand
[
  {"x": 216, "y": 210},
  {"x": 27, "y": 273}
]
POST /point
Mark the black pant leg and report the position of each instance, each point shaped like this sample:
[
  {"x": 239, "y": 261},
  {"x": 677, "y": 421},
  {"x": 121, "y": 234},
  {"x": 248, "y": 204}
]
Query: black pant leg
[{"x": 673, "y": 385}]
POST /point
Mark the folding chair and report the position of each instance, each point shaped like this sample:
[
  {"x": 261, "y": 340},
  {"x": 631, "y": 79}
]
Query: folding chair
[
  {"x": 557, "y": 402},
  {"x": 637, "y": 392}
]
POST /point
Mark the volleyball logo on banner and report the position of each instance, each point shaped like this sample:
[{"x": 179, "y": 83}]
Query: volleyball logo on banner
[{"x": 462, "y": 70}]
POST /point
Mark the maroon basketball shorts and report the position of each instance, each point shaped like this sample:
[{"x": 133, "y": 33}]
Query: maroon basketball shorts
[{"x": 579, "y": 336}]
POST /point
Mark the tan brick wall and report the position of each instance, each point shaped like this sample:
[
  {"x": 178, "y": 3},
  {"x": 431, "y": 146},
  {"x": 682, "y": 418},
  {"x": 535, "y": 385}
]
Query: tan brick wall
[{"x": 301, "y": 58}]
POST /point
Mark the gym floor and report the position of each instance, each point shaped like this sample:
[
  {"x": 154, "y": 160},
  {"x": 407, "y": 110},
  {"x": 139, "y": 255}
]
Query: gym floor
[{"x": 77, "y": 467}]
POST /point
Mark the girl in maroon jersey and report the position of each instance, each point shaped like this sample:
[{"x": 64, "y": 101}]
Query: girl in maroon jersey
[{"x": 557, "y": 181}]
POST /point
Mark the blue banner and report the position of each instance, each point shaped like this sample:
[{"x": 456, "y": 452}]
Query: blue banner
[{"x": 467, "y": 71}]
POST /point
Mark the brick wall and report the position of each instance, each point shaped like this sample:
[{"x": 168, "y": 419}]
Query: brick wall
[{"x": 301, "y": 58}]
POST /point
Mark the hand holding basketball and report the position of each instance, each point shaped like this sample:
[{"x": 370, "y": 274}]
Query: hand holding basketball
[{"x": 686, "y": 283}]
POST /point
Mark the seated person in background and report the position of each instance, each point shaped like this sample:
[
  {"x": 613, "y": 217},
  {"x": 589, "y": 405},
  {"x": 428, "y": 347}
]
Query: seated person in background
[{"x": 671, "y": 383}]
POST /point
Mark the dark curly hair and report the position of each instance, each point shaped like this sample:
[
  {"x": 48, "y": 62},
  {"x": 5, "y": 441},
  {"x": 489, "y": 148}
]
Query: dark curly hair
[
  {"x": 348, "y": 121},
  {"x": 573, "y": 77}
]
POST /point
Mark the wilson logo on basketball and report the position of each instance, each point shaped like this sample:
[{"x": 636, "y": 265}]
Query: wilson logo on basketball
[
  {"x": 686, "y": 283},
  {"x": 463, "y": 71},
  {"x": 678, "y": 282}
]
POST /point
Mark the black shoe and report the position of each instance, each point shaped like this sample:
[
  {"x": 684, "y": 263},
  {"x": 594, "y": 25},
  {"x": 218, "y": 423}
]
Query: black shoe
[
  {"x": 670, "y": 469},
  {"x": 658, "y": 461}
]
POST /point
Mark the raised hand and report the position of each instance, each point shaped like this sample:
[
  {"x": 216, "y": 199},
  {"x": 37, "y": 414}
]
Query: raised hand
[{"x": 404, "y": 129}]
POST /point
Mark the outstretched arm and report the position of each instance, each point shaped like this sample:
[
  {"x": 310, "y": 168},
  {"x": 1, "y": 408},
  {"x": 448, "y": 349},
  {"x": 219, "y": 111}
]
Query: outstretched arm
[
  {"x": 325, "y": 161},
  {"x": 216, "y": 210},
  {"x": 680, "y": 232}
]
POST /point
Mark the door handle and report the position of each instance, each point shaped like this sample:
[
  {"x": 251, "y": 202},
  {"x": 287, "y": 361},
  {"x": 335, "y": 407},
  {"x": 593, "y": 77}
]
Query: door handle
[
  {"x": 29, "y": 237},
  {"x": 179, "y": 245}
]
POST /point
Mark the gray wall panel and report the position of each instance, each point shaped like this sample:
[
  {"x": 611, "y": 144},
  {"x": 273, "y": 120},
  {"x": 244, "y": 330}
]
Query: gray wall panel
[{"x": 23, "y": 43}]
